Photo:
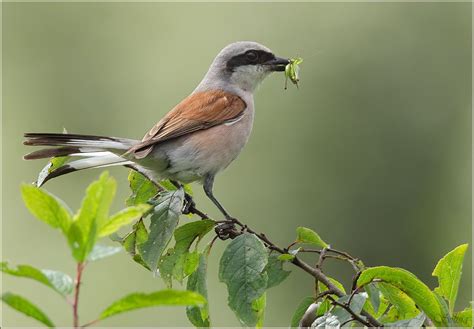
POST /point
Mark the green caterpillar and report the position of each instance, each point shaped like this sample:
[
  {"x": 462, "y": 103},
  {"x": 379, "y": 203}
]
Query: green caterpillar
[{"x": 292, "y": 71}]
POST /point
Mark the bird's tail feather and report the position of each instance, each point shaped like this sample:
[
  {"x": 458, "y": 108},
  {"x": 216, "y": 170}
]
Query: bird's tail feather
[
  {"x": 96, "y": 151},
  {"x": 86, "y": 163}
]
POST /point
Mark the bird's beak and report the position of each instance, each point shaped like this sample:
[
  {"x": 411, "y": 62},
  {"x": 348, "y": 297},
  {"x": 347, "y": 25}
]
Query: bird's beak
[{"x": 278, "y": 64}]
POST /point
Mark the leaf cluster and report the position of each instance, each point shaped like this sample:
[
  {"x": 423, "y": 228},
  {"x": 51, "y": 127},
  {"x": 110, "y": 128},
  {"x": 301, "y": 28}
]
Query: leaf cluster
[{"x": 249, "y": 266}]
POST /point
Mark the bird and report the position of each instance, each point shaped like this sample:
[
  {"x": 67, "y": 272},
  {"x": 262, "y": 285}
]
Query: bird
[{"x": 194, "y": 141}]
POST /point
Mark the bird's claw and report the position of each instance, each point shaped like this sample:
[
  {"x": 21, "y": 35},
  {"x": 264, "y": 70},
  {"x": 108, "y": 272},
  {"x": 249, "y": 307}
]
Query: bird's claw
[
  {"x": 226, "y": 230},
  {"x": 189, "y": 204}
]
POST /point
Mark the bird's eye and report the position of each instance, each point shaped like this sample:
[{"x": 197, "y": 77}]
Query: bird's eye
[{"x": 252, "y": 56}]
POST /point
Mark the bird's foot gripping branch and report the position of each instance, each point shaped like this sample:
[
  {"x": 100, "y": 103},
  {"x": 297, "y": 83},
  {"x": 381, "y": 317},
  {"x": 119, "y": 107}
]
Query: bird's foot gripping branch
[{"x": 250, "y": 265}]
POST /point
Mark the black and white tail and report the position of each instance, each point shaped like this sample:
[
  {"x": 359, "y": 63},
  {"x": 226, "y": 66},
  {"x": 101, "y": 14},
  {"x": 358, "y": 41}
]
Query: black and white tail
[{"x": 95, "y": 151}]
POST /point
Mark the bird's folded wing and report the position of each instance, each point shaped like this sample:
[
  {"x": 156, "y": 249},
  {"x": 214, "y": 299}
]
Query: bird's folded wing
[{"x": 196, "y": 112}]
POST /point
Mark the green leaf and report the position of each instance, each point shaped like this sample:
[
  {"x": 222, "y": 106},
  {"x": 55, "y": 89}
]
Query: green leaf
[
  {"x": 142, "y": 189},
  {"x": 242, "y": 269},
  {"x": 92, "y": 215},
  {"x": 258, "y": 307},
  {"x": 24, "y": 306},
  {"x": 374, "y": 296},
  {"x": 178, "y": 262},
  {"x": 199, "y": 316},
  {"x": 133, "y": 240},
  {"x": 101, "y": 251},
  {"x": 464, "y": 317},
  {"x": 60, "y": 282},
  {"x": 163, "y": 222},
  {"x": 409, "y": 284},
  {"x": 322, "y": 286},
  {"x": 286, "y": 257},
  {"x": 384, "y": 304},
  {"x": 405, "y": 306},
  {"x": 46, "y": 207},
  {"x": 356, "y": 305},
  {"x": 445, "y": 310},
  {"x": 449, "y": 270},
  {"x": 305, "y": 235},
  {"x": 76, "y": 242},
  {"x": 178, "y": 266},
  {"x": 300, "y": 310},
  {"x": 166, "y": 184},
  {"x": 275, "y": 271},
  {"x": 325, "y": 305},
  {"x": 160, "y": 298},
  {"x": 122, "y": 218},
  {"x": 416, "y": 322}
]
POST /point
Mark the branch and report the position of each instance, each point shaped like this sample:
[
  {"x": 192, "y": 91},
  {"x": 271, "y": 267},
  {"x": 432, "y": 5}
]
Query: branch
[
  {"x": 75, "y": 303},
  {"x": 348, "y": 309},
  {"x": 315, "y": 272}
]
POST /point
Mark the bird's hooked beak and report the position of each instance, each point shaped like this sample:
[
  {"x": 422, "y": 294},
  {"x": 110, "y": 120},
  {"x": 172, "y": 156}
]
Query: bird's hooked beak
[{"x": 278, "y": 64}]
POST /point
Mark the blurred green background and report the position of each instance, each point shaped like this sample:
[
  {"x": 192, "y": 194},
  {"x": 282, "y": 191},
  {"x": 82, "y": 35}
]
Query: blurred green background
[{"x": 373, "y": 151}]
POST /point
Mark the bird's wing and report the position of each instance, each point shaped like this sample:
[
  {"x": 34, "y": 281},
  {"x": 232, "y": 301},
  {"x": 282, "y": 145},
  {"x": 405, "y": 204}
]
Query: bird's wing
[{"x": 196, "y": 112}]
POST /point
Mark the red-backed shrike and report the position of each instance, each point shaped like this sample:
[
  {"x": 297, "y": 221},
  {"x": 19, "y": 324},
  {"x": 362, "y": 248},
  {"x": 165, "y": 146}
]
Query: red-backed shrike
[{"x": 197, "y": 139}]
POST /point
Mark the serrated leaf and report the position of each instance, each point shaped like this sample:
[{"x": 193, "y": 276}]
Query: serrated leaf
[
  {"x": 275, "y": 271},
  {"x": 409, "y": 284},
  {"x": 199, "y": 316},
  {"x": 92, "y": 215},
  {"x": 186, "y": 264},
  {"x": 308, "y": 236},
  {"x": 122, "y": 218},
  {"x": 46, "y": 207},
  {"x": 60, "y": 282},
  {"x": 449, "y": 271},
  {"x": 464, "y": 317},
  {"x": 162, "y": 225},
  {"x": 160, "y": 298},
  {"x": 142, "y": 189},
  {"x": 416, "y": 322},
  {"x": 177, "y": 262},
  {"x": 300, "y": 310},
  {"x": 241, "y": 268},
  {"x": 101, "y": 251},
  {"x": 26, "y": 307},
  {"x": 133, "y": 240}
]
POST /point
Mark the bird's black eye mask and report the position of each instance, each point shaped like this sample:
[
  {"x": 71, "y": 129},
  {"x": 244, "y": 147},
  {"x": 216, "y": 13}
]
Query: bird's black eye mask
[{"x": 250, "y": 57}]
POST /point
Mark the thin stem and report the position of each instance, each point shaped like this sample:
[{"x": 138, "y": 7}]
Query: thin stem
[
  {"x": 88, "y": 324},
  {"x": 348, "y": 309},
  {"x": 77, "y": 288}
]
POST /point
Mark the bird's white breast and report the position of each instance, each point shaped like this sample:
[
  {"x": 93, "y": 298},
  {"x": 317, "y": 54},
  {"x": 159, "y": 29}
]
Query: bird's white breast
[{"x": 208, "y": 151}]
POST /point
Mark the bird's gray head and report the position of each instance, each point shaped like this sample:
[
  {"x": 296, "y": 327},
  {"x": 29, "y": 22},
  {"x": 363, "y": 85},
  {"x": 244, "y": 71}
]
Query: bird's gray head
[{"x": 242, "y": 65}]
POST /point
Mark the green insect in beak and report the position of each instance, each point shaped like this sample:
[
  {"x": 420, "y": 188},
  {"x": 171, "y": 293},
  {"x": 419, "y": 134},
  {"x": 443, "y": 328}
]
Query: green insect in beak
[{"x": 292, "y": 71}]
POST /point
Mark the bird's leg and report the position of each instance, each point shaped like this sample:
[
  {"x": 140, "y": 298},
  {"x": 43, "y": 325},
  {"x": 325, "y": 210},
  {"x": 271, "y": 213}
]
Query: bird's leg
[
  {"x": 188, "y": 199},
  {"x": 208, "y": 184},
  {"x": 226, "y": 229}
]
